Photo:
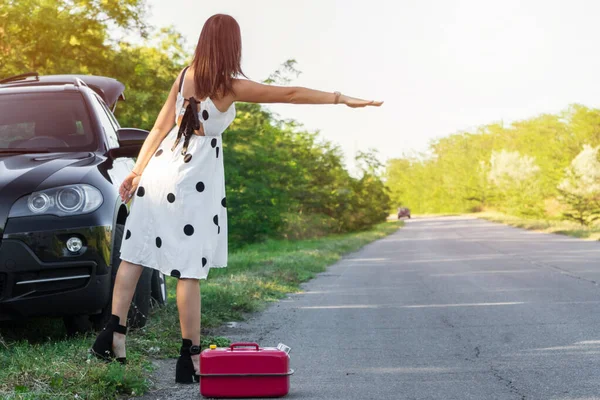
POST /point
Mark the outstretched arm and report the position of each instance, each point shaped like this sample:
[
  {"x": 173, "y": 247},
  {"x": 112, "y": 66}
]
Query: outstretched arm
[{"x": 253, "y": 92}]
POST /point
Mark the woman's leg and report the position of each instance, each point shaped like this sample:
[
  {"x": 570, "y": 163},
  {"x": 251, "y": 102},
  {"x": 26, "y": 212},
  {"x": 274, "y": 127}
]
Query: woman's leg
[
  {"x": 126, "y": 281},
  {"x": 188, "y": 304}
]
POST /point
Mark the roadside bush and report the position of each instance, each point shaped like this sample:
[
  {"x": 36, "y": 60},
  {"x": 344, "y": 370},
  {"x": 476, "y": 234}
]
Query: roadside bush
[
  {"x": 283, "y": 182},
  {"x": 519, "y": 168}
]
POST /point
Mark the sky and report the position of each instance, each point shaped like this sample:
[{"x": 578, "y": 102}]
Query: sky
[{"x": 441, "y": 66}]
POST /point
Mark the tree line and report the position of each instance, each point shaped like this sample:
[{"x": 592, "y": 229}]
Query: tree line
[
  {"x": 282, "y": 181},
  {"x": 543, "y": 167}
]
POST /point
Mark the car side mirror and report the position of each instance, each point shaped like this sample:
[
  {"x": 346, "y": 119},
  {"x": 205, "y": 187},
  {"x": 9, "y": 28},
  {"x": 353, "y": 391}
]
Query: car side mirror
[{"x": 130, "y": 142}]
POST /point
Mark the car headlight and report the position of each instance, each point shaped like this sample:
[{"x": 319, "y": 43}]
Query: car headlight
[
  {"x": 39, "y": 203},
  {"x": 70, "y": 199},
  {"x": 60, "y": 201}
]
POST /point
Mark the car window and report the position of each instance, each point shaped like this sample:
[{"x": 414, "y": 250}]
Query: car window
[
  {"x": 109, "y": 128},
  {"x": 111, "y": 116},
  {"x": 45, "y": 121}
]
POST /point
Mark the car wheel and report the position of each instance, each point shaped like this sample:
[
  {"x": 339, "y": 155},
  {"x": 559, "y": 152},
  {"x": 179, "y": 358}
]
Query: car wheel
[
  {"x": 159, "y": 288},
  {"x": 100, "y": 320},
  {"x": 140, "y": 304},
  {"x": 77, "y": 324}
]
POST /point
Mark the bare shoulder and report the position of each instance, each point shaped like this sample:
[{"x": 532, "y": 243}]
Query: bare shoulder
[
  {"x": 188, "y": 72},
  {"x": 176, "y": 82}
]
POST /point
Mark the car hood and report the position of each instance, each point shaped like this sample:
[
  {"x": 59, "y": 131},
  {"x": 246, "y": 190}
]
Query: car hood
[{"x": 25, "y": 173}]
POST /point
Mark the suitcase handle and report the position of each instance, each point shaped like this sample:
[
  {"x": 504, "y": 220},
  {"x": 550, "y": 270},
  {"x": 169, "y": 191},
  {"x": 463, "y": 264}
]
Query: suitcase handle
[{"x": 244, "y": 344}]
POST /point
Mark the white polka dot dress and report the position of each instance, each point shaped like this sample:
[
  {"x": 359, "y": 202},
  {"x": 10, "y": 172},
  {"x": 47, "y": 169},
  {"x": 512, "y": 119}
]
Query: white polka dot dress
[{"x": 178, "y": 218}]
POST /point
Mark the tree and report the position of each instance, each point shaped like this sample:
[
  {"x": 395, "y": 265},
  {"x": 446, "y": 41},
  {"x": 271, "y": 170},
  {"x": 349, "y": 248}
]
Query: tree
[
  {"x": 580, "y": 190},
  {"x": 68, "y": 36},
  {"x": 454, "y": 174},
  {"x": 284, "y": 74},
  {"x": 370, "y": 202}
]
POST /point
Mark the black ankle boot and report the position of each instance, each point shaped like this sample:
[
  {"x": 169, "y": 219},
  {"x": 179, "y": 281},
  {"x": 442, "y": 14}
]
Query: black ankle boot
[
  {"x": 184, "y": 370},
  {"x": 102, "y": 347}
]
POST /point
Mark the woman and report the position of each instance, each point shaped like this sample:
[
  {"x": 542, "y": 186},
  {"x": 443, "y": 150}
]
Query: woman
[{"x": 178, "y": 220}]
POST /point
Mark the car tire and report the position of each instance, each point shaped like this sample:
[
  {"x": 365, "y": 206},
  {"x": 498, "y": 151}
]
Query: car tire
[
  {"x": 140, "y": 305},
  {"x": 99, "y": 321},
  {"x": 159, "y": 289},
  {"x": 75, "y": 324}
]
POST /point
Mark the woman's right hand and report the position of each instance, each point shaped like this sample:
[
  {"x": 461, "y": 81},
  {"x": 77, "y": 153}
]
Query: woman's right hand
[
  {"x": 354, "y": 102},
  {"x": 129, "y": 186}
]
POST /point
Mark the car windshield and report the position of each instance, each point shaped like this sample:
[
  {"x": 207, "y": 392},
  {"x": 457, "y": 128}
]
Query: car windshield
[{"x": 43, "y": 122}]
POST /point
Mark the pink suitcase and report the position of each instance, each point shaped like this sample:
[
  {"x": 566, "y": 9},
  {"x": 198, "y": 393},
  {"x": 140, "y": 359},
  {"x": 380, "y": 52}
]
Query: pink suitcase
[{"x": 245, "y": 370}]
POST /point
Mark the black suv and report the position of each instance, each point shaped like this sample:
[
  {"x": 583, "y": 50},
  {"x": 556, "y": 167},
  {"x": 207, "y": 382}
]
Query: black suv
[{"x": 63, "y": 157}]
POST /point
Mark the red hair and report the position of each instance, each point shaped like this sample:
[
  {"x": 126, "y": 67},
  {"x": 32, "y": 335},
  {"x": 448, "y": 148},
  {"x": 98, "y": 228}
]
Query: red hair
[{"x": 218, "y": 56}]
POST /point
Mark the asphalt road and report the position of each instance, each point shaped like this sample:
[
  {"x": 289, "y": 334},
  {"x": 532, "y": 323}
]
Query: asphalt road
[{"x": 445, "y": 308}]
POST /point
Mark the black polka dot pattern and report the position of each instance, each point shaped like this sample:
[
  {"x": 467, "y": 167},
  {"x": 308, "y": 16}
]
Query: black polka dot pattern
[
  {"x": 188, "y": 230},
  {"x": 187, "y": 225},
  {"x": 216, "y": 221}
]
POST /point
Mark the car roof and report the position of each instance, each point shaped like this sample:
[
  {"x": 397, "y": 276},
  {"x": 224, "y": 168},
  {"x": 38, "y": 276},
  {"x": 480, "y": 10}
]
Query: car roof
[{"x": 109, "y": 89}]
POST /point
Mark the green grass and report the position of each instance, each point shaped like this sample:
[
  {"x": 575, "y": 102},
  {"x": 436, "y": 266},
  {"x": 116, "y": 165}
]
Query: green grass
[
  {"x": 37, "y": 361},
  {"x": 567, "y": 228}
]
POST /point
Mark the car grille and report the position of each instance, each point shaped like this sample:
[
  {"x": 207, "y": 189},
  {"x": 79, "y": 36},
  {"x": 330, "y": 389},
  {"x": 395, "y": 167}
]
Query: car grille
[{"x": 48, "y": 281}]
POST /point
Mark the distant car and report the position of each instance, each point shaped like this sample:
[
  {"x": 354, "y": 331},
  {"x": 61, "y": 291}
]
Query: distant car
[
  {"x": 63, "y": 156},
  {"x": 403, "y": 212}
]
